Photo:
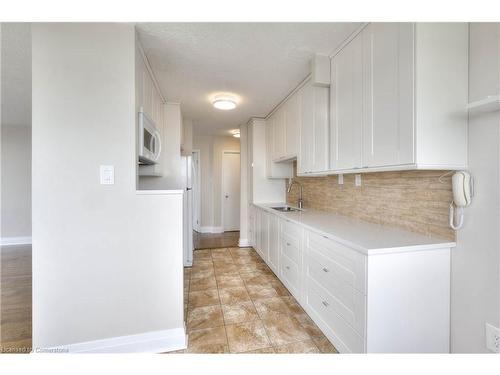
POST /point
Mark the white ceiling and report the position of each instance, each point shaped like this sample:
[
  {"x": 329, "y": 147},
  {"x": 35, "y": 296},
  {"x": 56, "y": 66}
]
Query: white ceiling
[
  {"x": 16, "y": 73},
  {"x": 260, "y": 62}
]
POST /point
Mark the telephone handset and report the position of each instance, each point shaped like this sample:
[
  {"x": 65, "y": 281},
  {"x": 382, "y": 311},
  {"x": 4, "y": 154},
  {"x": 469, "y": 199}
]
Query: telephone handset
[{"x": 462, "y": 196}]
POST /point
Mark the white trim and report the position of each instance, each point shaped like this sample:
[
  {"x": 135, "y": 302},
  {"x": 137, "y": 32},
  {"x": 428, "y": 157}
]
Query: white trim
[
  {"x": 11, "y": 241},
  {"x": 222, "y": 187},
  {"x": 149, "y": 342},
  {"x": 243, "y": 242},
  {"x": 211, "y": 230}
]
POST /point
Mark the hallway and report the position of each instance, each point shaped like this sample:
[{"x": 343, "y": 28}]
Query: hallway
[{"x": 215, "y": 240}]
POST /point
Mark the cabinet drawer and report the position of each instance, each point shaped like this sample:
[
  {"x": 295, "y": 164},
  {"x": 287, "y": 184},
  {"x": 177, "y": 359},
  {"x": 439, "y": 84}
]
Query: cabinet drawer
[
  {"x": 342, "y": 263},
  {"x": 290, "y": 246},
  {"x": 346, "y": 301},
  {"x": 291, "y": 230},
  {"x": 322, "y": 305},
  {"x": 290, "y": 275}
]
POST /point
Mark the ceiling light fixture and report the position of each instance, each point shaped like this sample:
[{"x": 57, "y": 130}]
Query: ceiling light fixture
[
  {"x": 235, "y": 133},
  {"x": 225, "y": 102}
]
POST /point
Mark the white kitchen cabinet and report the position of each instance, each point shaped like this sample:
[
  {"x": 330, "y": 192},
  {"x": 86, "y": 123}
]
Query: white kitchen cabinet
[
  {"x": 292, "y": 121},
  {"x": 274, "y": 243},
  {"x": 388, "y": 53},
  {"x": 314, "y": 144},
  {"x": 279, "y": 139},
  {"x": 397, "y": 98},
  {"x": 346, "y": 107},
  {"x": 273, "y": 169},
  {"x": 262, "y": 234},
  {"x": 291, "y": 257},
  {"x": 393, "y": 296}
]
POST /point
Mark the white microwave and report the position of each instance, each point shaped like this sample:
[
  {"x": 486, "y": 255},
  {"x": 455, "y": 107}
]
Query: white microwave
[{"x": 149, "y": 140}]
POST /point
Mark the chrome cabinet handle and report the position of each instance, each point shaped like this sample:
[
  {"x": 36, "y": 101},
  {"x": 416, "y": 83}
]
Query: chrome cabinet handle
[
  {"x": 288, "y": 244},
  {"x": 325, "y": 303},
  {"x": 326, "y": 269},
  {"x": 287, "y": 267}
]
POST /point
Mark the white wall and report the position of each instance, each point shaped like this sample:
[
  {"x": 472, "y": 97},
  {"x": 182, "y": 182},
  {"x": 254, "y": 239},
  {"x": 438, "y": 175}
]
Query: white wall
[
  {"x": 107, "y": 261},
  {"x": 211, "y": 148},
  {"x": 15, "y": 93},
  {"x": 16, "y": 182},
  {"x": 476, "y": 260}
]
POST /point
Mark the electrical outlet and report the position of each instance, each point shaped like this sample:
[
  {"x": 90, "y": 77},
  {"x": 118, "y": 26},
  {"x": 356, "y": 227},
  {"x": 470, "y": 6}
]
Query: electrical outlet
[
  {"x": 492, "y": 338},
  {"x": 357, "y": 179},
  {"x": 340, "y": 179}
]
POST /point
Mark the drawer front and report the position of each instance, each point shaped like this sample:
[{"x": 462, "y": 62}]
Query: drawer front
[
  {"x": 320, "y": 306},
  {"x": 346, "y": 301},
  {"x": 290, "y": 229},
  {"x": 342, "y": 264},
  {"x": 290, "y": 275},
  {"x": 290, "y": 246}
]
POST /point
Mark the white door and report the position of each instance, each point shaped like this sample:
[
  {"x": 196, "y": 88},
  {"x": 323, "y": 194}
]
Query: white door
[
  {"x": 388, "y": 89},
  {"x": 231, "y": 190},
  {"x": 346, "y": 106}
]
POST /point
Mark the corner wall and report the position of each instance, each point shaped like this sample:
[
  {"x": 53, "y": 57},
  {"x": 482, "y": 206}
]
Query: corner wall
[
  {"x": 476, "y": 259},
  {"x": 107, "y": 261}
]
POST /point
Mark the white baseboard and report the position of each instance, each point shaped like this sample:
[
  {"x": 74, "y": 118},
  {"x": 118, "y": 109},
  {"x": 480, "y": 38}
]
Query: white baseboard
[
  {"x": 211, "y": 230},
  {"x": 150, "y": 342},
  {"x": 243, "y": 242},
  {"x": 11, "y": 241}
]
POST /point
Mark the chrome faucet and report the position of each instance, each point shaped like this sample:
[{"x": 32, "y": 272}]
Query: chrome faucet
[{"x": 291, "y": 181}]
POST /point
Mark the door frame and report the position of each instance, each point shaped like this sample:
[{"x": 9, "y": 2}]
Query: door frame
[
  {"x": 197, "y": 193},
  {"x": 222, "y": 184}
]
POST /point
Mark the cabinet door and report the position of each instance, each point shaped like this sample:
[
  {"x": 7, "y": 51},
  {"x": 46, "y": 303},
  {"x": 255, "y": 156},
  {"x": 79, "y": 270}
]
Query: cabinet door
[
  {"x": 279, "y": 134},
  {"x": 265, "y": 236},
  {"x": 388, "y": 131},
  {"x": 319, "y": 161},
  {"x": 274, "y": 245},
  {"x": 346, "y": 106},
  {"x": 306, "y": 143},
  {"x": 274, "y": 170},
  {"x": 292, "y": 114}
]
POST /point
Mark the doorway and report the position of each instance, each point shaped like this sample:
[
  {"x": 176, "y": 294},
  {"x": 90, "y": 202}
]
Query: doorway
[
  {"x": 230, "y": 191},
  {"x": 195, "y": 180}
]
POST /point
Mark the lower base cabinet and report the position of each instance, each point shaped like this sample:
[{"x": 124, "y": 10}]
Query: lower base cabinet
[{"x": 395, "y": 302}]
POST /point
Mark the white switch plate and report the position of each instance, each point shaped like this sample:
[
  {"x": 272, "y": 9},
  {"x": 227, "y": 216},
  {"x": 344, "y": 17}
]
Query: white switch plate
[
  {"x": 493, "y": 338},
  {"x": 340, "y": 179},
  {"x": 107, "y": 174},
  {"x": 357, "y": 179}
]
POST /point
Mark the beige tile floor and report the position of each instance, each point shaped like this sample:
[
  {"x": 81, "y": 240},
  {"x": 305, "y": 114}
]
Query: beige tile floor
[{"x": 235, "y": 304}]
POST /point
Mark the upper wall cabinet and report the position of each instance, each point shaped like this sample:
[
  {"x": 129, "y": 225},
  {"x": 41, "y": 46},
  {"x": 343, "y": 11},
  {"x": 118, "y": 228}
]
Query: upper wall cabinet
[
  {"x": 286, "y": 130},
  {"x": 273, "y": 169},
  {"x": 346, "y": 106},
  {"x": 397, "y": 98},
  {"x": 388, "y": 68},
  {"x": 314, "y": 145}
]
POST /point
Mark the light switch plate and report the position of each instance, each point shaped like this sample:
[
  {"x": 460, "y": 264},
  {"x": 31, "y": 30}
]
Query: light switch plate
[
  {"x": 492, "y": 338},
  {"x": 357, "y": 179},
  {"x": 340, "y": 179},
  {"x": 107, "y": 174}
]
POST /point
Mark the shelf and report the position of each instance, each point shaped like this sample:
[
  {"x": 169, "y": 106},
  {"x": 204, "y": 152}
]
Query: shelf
[{"x": 489, "y": 104}]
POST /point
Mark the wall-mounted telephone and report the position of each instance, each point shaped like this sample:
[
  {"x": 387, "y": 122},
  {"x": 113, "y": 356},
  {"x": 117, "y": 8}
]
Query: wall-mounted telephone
[{"x": 462, "y": 195}]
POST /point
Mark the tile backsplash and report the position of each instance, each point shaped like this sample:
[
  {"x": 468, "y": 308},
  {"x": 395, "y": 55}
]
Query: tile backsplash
[{"x": 413, "y": 200}]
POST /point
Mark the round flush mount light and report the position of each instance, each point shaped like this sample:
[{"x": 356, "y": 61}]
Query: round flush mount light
[
  {"x": 224, "y": 103},
  {"x": 236, "y": 133}
]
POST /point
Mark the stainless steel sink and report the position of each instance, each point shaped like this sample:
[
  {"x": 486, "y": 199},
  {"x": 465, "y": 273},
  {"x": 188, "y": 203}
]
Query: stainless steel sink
[{"x": 286, "y": 209}]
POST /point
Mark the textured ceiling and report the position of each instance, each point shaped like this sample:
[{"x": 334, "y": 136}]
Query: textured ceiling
[
  {"x": 260, "y": 62},
  {"x": 16, "y": 73}
]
